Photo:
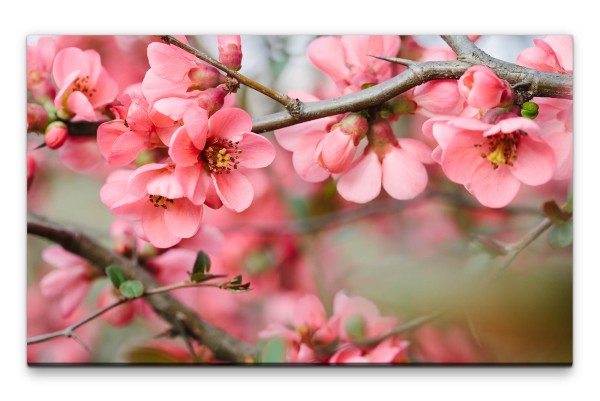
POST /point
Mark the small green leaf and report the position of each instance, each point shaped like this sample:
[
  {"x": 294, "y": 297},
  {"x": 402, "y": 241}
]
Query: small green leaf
[
  {"x": 271, "y": 351},
  {"x": 236, "y": 280},
  {"x": 561, "y": 236},
  {"x": 132, "y": 289},
  {"x": 116, "y": 275},
  {"x": 569, "y": 205},
  {"x": 202, "y": 263}
]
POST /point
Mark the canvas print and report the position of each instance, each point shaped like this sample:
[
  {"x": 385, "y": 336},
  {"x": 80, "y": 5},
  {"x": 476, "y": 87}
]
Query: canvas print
[{"x": 299, "y": 200}]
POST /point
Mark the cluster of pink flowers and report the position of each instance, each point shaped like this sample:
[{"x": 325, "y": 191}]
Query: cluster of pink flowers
[
  {"x": 311, "y": 337},
  {"x": 482, "y": 141}
]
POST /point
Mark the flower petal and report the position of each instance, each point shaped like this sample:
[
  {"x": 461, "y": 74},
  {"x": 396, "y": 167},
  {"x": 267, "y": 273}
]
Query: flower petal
[
  {"x": 156, "y": 229},
  {"x": 304, "y": 161},
  {"x": 183, "y": 218},
  {"x": 535, "y": 164},
  {"x": 362, "y": 183},
  {"x": 494, "y": 187},
  {"x": 404, "y": 177},
  {"x": 257, "y": 151},
  {"x": 461, "y": 157},
  {"x": 327, "y": 54},
  {"x": 229, "y": 123},
  {"x": 234, "y": 190},
  {"x": 182, "y": 150}
]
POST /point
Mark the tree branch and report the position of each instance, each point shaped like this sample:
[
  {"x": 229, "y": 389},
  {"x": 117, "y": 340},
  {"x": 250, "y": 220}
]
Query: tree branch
[
  {"x": 223, "y": 345},
  {"x": 69, "y": 331},
  {"x": 533, "y": 83},
  {"x": 291, "y": 105}
]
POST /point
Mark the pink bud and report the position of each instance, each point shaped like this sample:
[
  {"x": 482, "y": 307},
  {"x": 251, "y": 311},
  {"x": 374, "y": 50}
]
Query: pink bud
[
  {"x": 212, "y": 99},
  {"x": 355, "y": 124},
  {"x": 381, "y": 134},
  {"x": 37, "y": 117},
  {"x": 230, "y": 51},
  {"x": 482, "y": 89},
  {"x": 56, "y": 134},
  {"x": 203, "y": 77}
]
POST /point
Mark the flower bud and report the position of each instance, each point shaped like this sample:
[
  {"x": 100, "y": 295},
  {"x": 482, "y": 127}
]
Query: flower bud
[
  {"x": 482, "y": 89},
  {"x": 381, "y": 135},
  {"x": 355, "y": 124},
  {"x": 230, "y": 51},
  {"x": 402, "y": 105},
  {"x": 203, "y": 77},
  {"x": 212, "y": 99},
  {"x": 37, "y": 117},
  {"x": 56, "y": 134},
  {"x": 529, "y": 110}
]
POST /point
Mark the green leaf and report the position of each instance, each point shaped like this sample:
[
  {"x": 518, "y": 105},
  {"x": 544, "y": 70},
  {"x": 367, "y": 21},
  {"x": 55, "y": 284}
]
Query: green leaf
[
  {"x": 202, "y": 263},
  {"x": 561, "y": 236},
  {"x": 116, "y": 275},
  {"x": 569, "y": 205},
  {"x": 132, "y": 289},
  {"x": 236, "y": 280},
  {"x": 271, "y": 351}
]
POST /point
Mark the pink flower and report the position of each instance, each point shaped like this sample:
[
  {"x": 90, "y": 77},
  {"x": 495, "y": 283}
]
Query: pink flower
[
  {"x": 39, "y": 67},
  {"x": 492, "y": 160},
  {"x": 230, "y": 51},
  {"x": 219, "y": 156},
  {"x": 552, "y": 54},
  {"x": 303, "y": 140},
  {"x": 555, "y": 119},
  {"x": 337, "y": 149},
  {"x": 121, "y": 140},
  {"x": 391, "y": 350},
  {"x": 56, "y": 134},
  {"x": 482, "y": 89},
  {"x": 395, "y": 163},
  {"x": 177, "y": 73},
  {"x": 153, "y": 199},
  {"x": 71, "y": 280},
  {"x": 347, "y": 61},
  {"x": 83, "y": 84}
]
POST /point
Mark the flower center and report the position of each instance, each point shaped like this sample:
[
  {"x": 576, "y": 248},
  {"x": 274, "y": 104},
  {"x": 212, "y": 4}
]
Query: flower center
[
  {"x": 501, "y": 148},
  {"x": 160, "y": 201},
  {"x": 82, "y": 84},
  {"x": 221, "y": 155}
]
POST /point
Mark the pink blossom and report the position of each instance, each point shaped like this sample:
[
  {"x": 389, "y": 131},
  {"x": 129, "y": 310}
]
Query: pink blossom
[
  {"x": 395, "y": 163},
  {"x": 347, "y": 61},
  {"x": 219, "y": 157},
  {"x": 230, "y": 51},
  {"x": 122, "y": 139},
  {"x": 83, "y": 84},
  {"x": 554, "y": 54},
  {"x": 153, "y": 199},
  {"x": 433, "y": 98},
  {"x": 337, "y": 149},
  {"x": 56, "y": 134},
  {"x": 177, "y": 73},
  {"x": 37, "y": 117},
  {"x": 482, "y": 89},
  {"x": 492, "y": 160},
  {"x": 39, "y": 68},
  {"x": 555, "y": 119},
  {"x": 303, "y": 140},
  {"x": 71, "y": 280}
]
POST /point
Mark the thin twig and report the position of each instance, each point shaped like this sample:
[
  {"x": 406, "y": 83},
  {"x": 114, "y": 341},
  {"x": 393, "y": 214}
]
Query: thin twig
[
  {"x": 291, "y": 105},
  {"x": 69, "y": 331},
  {"x": 512, "y": 251},
  {"x": 224, "y": 346}
]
